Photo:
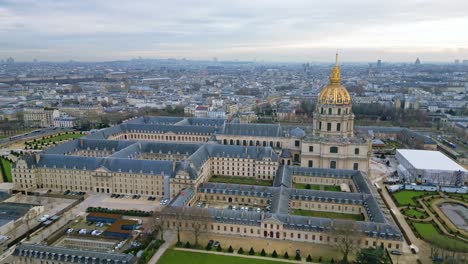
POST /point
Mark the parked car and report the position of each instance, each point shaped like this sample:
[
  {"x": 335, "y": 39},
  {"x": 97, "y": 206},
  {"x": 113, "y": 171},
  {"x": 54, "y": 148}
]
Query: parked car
[{"x": 395, "y": 252}]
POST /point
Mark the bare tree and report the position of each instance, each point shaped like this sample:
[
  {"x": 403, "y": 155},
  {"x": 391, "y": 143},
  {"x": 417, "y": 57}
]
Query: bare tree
[
  {"x": 346, "y": 237},
  {"x": 156, "y": 224},
  {"x": 193, "y": 219}
]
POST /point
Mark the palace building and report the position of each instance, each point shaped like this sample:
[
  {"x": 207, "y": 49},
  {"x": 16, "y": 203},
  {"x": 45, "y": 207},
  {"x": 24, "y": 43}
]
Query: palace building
[{"x": 177, "y": 158}]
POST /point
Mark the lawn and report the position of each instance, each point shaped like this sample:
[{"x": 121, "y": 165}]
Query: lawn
[
  {"x": 414, "y": 213},
  {"x": 304, "y": 186},
  {"x": 174, "y": 256},
  {"x": 406, "y": 197},
  {"x": 356, "y": 217},
  {"x": 59, "y": 138},
  {"x": 240, "y": 180},
  {"x": 6, "y": 170},
  {"x": 332, "y": 188},
  {"x": 430, "y": 233}
]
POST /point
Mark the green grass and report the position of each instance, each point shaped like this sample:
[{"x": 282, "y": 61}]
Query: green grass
[
  {"x": 332, "y": 188},
  {"x": 406, "y": 197},
  {"x": 460, "y": 196},
  {"x": 174, "y": 256},
  {"x": 356, "y": 217},
  {"x": 430, "y": 233},
  {"x": 304, "y": 186},
  {"x": 58, "y": 138},
  {"x": 414, "y": 213},
  {"x": 240, "y": 180},
  {"x": 6, "y": 170}
]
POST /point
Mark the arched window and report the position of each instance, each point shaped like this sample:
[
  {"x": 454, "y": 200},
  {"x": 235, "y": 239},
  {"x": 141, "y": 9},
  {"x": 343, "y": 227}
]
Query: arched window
[{"x": 333, "y": 149}]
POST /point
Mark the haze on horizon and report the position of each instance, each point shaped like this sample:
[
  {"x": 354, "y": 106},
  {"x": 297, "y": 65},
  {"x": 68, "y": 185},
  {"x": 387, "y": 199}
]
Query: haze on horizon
[{"x": 295, "y": 30}]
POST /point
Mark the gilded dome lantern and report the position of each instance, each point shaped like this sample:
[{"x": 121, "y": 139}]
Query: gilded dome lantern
[{"x": 334, "y": 93}]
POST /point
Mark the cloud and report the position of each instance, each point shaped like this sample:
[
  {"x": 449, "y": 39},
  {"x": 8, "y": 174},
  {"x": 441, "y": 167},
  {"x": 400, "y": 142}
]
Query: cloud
[{"x": 246, "y": 29}]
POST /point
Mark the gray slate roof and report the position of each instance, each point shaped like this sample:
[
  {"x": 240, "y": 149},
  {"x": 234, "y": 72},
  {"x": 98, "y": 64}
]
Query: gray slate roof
[{"x": 49, "y": 253}]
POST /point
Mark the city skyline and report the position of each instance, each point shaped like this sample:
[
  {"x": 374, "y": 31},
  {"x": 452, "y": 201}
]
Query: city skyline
[{"x": 300, "y": 31}]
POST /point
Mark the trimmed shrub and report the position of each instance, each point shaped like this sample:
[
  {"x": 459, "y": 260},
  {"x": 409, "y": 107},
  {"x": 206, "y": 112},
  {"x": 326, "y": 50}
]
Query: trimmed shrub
[
  {"x": 187, "y": 245},
  {"x": 208, "y": 246},
  {"x": 240, "y": 251},
  {"x": 308, "y": 186},
  {"x": 274, "y": 254},
  {"x": 298, "y": 257},
  {"x": 263, "y": 253},
  {"x": 230, "y": 249},
  {"x": 309, "y": 258},
  {"x": 286, "y": 256},
  {"x": 219, "y": 248},
  {"x": 332, "y": 260},
  {"x": 251, "y": 251},
  {"x": 320, "y": 259}
]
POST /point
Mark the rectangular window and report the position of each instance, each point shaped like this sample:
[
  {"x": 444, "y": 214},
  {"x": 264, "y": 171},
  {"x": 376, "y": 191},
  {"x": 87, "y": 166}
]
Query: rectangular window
[
  {"x": 329, "y": 126},
  {"x": 338, "y": 127},
  {"x": 311, "y": 163},
  {"x": 356, "y": 166},
  {"x": 356, "y": 151},
  {"x": 320, "y": 125},
  {"x": 297, "y": 143}
]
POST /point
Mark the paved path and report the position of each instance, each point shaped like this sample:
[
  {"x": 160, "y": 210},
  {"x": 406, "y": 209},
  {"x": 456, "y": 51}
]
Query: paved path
[
  {"x": 424, "y": 248},
  {"x": 170, "y": 238}
]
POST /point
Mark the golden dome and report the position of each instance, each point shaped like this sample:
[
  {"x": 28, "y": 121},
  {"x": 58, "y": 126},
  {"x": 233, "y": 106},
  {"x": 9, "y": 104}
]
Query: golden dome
[{"x": 334, "y": 92}]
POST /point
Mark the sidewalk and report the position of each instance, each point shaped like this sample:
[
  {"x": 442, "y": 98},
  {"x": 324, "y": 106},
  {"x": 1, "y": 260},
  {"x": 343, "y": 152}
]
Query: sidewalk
[{"x": 169, "y": 237}]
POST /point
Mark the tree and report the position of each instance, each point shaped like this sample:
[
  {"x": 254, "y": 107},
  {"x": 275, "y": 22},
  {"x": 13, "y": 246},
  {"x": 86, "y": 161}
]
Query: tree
[
  {"x": 157, "y": 224},
  {"x": 274, "y": 254},
  {"x": 298, "y": 256},
  {"x": 196, "y": 220},
  {"x": 346, "y": 237},
  {"x": 208, "y": 247},
  {"x": 372, "y": 256}
]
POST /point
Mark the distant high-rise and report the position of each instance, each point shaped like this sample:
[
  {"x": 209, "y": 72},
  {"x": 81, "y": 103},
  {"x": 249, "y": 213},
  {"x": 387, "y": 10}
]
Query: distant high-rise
[
  {"x": 417, "y": 62},
  {"x": 457, "y": 61},
  {"x": 10, "y": 60},
  {"x": 379, "y": 63}
]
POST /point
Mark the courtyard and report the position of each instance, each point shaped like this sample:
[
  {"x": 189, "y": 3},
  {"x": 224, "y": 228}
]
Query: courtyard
[{"x": 240, "y": 180}]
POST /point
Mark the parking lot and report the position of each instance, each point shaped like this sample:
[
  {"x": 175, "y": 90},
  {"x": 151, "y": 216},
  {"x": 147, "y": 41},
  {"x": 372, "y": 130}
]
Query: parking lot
[{"x": 125, "y": 202}]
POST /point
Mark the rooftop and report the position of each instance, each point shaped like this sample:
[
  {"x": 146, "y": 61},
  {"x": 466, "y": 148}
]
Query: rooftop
[{"x": 429, "y": 160}]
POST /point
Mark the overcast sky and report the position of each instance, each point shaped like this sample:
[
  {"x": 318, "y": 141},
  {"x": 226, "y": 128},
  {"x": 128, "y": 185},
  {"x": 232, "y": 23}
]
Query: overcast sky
[{"x": 270, "y": 30}]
